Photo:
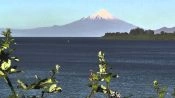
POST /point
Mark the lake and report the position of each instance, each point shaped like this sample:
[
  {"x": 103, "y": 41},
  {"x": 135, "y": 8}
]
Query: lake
[{"x": 138, "y": 64}]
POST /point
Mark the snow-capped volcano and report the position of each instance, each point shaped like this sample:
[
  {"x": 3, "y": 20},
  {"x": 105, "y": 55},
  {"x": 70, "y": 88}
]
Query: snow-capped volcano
[
  {"x": 95, "y": 25},
  {"x": 102, "y": 14}
]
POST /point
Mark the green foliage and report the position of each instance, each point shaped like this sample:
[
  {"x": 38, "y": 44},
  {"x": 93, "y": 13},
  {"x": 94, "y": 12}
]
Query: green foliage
[
  {"x": 161, "y": 91},
  {"x": 103, "y": 75},
  {"x": 6, "y": 59},
  {"x": 47, "y": 85},
  {"x": 137, "y": 31}
]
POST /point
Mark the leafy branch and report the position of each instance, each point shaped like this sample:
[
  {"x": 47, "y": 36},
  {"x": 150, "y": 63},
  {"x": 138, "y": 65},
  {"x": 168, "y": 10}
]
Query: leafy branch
[
  {"x": 103, "y": 75},
  {"x": 46, "y": 85},
  {"x": 6, "y": 59}
]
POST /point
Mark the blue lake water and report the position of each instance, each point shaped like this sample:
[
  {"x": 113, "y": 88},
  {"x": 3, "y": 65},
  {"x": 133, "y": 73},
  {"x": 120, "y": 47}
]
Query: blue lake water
[{"x": 138, "y": 63}]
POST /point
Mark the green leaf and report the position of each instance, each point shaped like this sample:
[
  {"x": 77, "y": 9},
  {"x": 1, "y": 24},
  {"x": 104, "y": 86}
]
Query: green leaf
[
  {"x": 102, "y": 68},
  {"x": 58, "y": 89},
  {"x": 13, "y": 70},
  {"x": 156, "y": 84},
  {"x": 22, "y": 85},
  {"x": 94, "y": 77},
  {"x": 15, "y": 58},
  {"x": 95, "y": 86},
  {"x": 57, "y": 67},
  {"x": 108, "y": 78},
  {"x": 36, "y": 76},
  {"x": 162, "y": 92},
  {"x": 53, "y": 88},
  {"x": 2, "y": 74},
  {"x": 100, "y": 54},
  {"x": 104, "y": 89},
  {"x": 6, "y": 65},
  {"x": 47, "y": 81}
]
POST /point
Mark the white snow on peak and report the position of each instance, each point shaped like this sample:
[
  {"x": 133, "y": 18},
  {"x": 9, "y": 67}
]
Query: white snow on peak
[{"x": 102, "y": 14}]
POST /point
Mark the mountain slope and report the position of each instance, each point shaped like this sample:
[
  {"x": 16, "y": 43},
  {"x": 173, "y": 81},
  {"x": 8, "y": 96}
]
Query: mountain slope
[
  {"x": 168, "y": 30},
  {"x": 95, "y": 25}
]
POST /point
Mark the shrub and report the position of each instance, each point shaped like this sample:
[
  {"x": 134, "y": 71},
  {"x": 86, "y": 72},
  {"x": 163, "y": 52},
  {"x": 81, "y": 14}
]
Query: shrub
[
  {"x": 47, "y": 85},
  {"x": 97, "y": 79},
  {"x": 6, "y": 58}
]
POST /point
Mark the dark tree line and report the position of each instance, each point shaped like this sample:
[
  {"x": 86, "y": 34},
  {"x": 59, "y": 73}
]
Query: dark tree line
[
  {"x": 139, "y": 33},
  {"x": 136, "y": 31}
]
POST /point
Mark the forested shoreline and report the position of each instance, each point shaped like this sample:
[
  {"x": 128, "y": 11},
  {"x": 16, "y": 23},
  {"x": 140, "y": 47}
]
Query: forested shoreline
[{"x": 139, "y": 34}]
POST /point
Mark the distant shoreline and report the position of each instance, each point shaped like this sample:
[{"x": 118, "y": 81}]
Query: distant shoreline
[
  {"x": 139, "y": 34},
  {"x": 140, "y": 37}
]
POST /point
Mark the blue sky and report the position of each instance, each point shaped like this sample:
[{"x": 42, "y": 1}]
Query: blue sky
[{"x": 149, "y": 14}]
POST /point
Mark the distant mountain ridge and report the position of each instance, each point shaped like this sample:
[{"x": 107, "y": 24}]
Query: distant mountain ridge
[
  {"x": 165, "y": 29},
  {"x": 95, "y": 25}
]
